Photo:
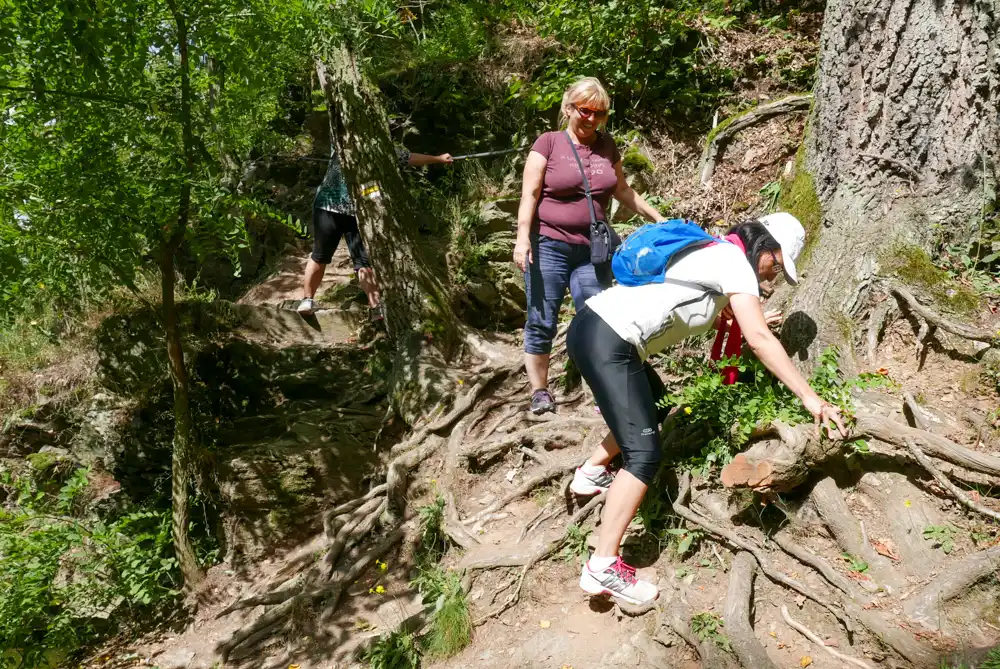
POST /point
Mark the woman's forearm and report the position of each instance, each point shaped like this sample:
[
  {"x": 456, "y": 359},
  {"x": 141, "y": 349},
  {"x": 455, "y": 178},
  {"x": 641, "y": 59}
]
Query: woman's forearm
[
  {"x": 637, "y": 203},
  {"x": 769, "y": 351},
  {"x": 526, "y": 213}
]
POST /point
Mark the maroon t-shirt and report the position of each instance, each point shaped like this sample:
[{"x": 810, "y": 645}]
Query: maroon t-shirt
[{"x": 563, "y": 212}]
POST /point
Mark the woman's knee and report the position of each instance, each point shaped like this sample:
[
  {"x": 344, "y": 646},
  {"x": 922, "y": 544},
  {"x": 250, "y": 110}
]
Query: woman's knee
[
  {"x": 538, "y": 337},
  {"x": 645, "y": 463}
]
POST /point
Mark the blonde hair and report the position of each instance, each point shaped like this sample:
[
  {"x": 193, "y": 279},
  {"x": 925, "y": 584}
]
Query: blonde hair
[{"x": 585, "y": 89}]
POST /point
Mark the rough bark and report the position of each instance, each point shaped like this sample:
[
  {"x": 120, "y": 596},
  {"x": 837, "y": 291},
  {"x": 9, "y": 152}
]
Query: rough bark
[
  {"x": 184, "y": 445},
  {"x": 904, "y": 134}
]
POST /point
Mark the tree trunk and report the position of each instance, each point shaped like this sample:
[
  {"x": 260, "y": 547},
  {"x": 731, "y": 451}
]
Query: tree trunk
[
  {"x": 182, "y": 456},
  {"x": 415, "y": 299},
  {"x": 903, "y": 138}
]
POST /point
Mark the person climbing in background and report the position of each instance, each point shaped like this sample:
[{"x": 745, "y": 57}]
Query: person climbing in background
[
  {"x": 613, "y": 334},
  {"x": 554, "y": 221},
  {"x": 333, "y": 217}
]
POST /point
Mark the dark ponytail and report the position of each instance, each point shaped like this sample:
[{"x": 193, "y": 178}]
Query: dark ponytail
[{"x": 757, "y": 241}]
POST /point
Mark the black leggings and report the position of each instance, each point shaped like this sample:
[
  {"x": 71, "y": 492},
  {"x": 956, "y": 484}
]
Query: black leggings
[
  {"x": 626, "y": 390},
  {"x": 328, "y": 228}
]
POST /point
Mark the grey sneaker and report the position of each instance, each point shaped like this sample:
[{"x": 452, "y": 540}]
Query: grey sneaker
[
  {"x": 585, "y": 484},
  {"x": 542, "y": 401},
  {"x": 618, "y": 580},
  {"x": 307, "y": 307}
]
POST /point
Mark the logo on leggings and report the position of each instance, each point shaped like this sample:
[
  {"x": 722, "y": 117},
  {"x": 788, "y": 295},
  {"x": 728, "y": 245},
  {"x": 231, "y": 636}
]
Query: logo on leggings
[{"x": 646, "y": 431}]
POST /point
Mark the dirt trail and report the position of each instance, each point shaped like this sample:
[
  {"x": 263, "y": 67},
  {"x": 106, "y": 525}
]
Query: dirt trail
[{"x": 489, "y": 460}]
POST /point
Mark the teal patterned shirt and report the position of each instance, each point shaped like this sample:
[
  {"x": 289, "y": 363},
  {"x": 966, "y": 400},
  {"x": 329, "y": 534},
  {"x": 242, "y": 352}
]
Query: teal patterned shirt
[{"x": 333, "y": 195}]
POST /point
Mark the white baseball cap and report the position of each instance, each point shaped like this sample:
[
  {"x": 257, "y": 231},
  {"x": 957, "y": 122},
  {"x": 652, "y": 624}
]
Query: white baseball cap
[{"x": 790, "y": 234}]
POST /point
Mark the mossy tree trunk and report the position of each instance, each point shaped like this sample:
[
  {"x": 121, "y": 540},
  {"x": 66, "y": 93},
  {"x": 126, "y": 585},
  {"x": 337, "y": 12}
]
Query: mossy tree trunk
[
  {"x": 902, "y": 145},
  {"x": 414, "y": 297},
  {"x": 417, "y": 305}
]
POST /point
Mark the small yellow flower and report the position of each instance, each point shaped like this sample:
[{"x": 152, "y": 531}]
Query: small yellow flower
[
  {"x": 383, "y": 566},
  {"x": 907, "y": 503},
  {"x": 687, "y": 410},
  {"x": 371, "y": 591},
  {"x": 379, "y": 589},
  {"x": 461, "y": 382}
]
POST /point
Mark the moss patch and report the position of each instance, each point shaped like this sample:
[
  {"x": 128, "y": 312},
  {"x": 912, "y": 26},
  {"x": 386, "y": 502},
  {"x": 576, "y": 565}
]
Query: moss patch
[
  {"x": 798, "y": 197},
  {"x": 635, "y": 161},
  {"x": 912, "y": 265}
]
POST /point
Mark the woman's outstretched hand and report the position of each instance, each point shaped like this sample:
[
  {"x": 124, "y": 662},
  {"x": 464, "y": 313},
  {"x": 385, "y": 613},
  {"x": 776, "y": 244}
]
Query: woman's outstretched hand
[{"x": 823, "y": 414}]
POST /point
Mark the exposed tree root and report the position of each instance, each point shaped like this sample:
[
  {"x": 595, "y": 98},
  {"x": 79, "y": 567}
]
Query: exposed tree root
[
  {"x": 678, "y": 618},
  {"x": 739, "y": 629},
  {"x": 876, "y": 324},
  {"x": 936, "y": 320},
  {"x": 731, "y": 127},
  {"x": 265, "y": 625},
  {"x": 844, "y": 527},
  {"x": 550, "y": 472},
  {"x": 806, "y": 557},
  {"x": 804, "y": 631},
  {"x": 529, "y": 559},
  {"x": 786, "y": 462},
  {"x": 947, "y": 484},
  {"x": 688, "y": 514},
  {"x": 957, "y": 579}
]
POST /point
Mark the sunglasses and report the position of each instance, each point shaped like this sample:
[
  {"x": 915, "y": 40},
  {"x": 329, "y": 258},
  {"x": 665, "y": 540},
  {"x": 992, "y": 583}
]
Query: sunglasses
[
  {"x": 588, "y": 112},
  {"x": 778, "y": 268}
]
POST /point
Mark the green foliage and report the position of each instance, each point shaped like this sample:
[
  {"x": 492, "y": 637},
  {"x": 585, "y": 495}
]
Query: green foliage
[
  {"x": 991, "y": 661},
  {"x": 60, "y": 573},
  {"x": 451, "y": 622},
  {"x": 433, "y": 540},
  {"x": 647, "y": 53},
  {"x": 769, "y": 196},
  {"x": 727, "y": 414},
  {"x": 396, "y": 650},
  {"x": 855, "y": 564},
  {"x": 95, "y": 170},
  {"x": 685, "y": 539},
  {"x": 575, "y": 546},
  {"x": 707, "y": 626},
  {"x": 941, "y": 536}
]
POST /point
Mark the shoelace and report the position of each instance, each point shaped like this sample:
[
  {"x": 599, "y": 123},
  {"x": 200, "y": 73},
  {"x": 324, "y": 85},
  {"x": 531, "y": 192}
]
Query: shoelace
[{"x": 624, "y": 571}]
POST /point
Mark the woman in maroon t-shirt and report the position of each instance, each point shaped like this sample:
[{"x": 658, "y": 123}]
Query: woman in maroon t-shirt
[{"x": 553, "y": 222}]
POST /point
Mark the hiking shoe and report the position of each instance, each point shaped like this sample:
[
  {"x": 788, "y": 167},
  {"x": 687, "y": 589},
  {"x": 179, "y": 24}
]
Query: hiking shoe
[
  {"x": 618, "y": 580},
  {"x": 376, "y": 314},
  {"x": 542, "y": 401},
  {"x": 307, "y": 307},
  {"x": 586, "y": 484}
]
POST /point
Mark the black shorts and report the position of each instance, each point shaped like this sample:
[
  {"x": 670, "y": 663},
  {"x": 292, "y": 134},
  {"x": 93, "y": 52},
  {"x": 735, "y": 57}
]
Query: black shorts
[
  {"x": 328, "y": 228},
  {"x": 625, "y": 387}
]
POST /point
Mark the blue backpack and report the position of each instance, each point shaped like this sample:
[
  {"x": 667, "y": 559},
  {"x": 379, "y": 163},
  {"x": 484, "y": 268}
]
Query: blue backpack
[{"x": 645, "y": 254}]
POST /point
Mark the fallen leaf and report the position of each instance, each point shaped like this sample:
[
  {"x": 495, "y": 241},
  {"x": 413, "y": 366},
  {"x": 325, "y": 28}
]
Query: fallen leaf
[
  {"x": 885, "y": 548},
  {"x": 545, "y": 624},
  {"x": 773, "y": 634},
  {"x": 782, "y": 645},
  {"x": 293, "y": 666},
  {"x": 805, "y": 661},
  {"x": 567, "y": 666}
]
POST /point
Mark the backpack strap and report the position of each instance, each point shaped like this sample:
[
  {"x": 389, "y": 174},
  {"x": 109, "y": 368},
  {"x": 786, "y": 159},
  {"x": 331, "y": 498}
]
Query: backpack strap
[{"x": 586, "y": 181}]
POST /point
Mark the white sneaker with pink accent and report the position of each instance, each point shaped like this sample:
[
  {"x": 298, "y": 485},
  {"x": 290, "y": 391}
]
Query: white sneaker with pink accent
[{"x": 618, "y": 580}]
